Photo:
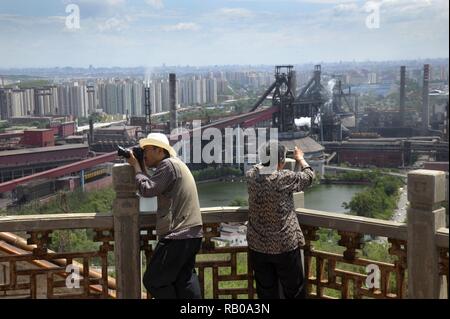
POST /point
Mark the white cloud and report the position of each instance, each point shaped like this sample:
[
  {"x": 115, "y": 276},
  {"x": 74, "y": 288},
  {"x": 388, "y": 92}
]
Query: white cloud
[
  {"x": 157, "y": 4},
  {"x": 327, "y": 1},
  {"x": 115, "y": 24},
  {"x": 182, "y": 26},
  {"x": 98, "y": 2},
  {"x": 235, "y": 13},
  {"x": 346, "y": 8},
  {"x": 331, "y": 31},
  {"x": 93, "y": 8}
]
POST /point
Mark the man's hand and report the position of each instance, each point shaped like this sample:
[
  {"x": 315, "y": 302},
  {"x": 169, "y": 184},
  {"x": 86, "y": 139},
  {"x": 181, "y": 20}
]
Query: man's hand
[
  {"x": 134, "y": 162},
  {"x": 298, "y": 154}
]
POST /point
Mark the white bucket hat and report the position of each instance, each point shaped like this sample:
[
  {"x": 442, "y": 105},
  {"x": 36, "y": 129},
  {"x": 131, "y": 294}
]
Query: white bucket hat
[{"x": 158, "y": 140}]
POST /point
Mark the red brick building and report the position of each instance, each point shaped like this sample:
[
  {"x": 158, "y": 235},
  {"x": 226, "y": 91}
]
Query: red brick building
[{"x": 38, "y": 138}]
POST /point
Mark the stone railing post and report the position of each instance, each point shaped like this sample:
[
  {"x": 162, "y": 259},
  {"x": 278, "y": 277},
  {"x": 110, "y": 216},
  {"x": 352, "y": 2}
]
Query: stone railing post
[
  {"x": 126, "y": 233},
  {"x": 426, "y": 191}
]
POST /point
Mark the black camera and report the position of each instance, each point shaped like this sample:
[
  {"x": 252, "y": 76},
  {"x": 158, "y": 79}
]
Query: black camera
[{"x": 137, "y": 152}]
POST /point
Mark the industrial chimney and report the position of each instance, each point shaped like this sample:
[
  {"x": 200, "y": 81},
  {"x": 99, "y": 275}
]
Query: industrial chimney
[
  {"x": 446, "y": 122},
  {"x": 173, "y": 101},
  {"x": 293, "y": 82},
  {"x": 402, "y": 95},
  {"x": 317, "y": 74},
  {"x": 426, "y": 99},
  {"x": 91, "y": 131}
]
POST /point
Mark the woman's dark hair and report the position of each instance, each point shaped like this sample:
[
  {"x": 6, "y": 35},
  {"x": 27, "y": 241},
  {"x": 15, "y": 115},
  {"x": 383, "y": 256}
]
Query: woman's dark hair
[{"x": 281, "y": 152}]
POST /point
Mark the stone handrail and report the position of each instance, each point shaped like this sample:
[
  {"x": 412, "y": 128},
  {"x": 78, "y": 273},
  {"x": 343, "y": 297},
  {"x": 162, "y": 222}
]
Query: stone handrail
[
  {"x": 424, "y": 233},
  {"x": 45, "y": 224},
  {"x": 354, "y": 224},
  {"x": 442, "y": 238},
  {"x": 363, "y": 225},
  {"x": 61, "y": 221}
]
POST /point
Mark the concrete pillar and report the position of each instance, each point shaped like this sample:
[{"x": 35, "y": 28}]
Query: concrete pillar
[
  {"x": 126, "y": 233},
  {"x": 426, "y": 191}
]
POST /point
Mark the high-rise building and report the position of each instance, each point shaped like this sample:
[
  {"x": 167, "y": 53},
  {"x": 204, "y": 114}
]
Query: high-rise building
[
  {"x": 5, "y": 103},
  {"x": 137, "y": 102},
  {"x": 63, "y": 100},
  {"x": 444, "y": 73},
  {"x": 165, "y": 102},
  {"x": 373, "y": 78},
  {"x": 212, "y": 91},
  {"x": 157, "y": 94},
  {"x": 127, "y": 93},
  {"x": 112, "y": 102},
  {"x": 197, "y": 91}
]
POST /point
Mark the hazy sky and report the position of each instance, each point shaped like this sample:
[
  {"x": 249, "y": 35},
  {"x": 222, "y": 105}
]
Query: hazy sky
[{"x": 209, "y": 32}]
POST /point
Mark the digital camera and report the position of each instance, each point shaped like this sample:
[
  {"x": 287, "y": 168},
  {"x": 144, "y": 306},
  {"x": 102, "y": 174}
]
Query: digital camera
[{"x": 137, "y": 152}]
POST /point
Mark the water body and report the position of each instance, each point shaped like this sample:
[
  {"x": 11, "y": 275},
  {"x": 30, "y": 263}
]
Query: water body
[{"x": 321, "y": 197}]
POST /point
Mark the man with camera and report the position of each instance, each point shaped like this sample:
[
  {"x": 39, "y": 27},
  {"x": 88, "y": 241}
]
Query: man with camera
[{"x": 170, "y": 273}]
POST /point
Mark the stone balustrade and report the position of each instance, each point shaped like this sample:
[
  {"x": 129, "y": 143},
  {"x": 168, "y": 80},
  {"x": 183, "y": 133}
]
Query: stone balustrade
[{"x": 418, "y": 250}]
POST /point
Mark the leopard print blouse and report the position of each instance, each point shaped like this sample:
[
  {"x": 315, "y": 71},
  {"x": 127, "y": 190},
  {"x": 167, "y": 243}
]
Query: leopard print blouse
[{"x": 273, "y": 226}]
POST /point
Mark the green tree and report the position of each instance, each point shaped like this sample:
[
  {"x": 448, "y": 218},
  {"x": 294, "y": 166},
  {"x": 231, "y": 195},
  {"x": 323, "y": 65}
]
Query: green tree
[{"x": 378, "y": 201}]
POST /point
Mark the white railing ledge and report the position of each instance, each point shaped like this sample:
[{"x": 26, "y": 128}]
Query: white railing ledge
[
  {"x": 349, "y": 223},
  {"x": 442, "y": 238}
]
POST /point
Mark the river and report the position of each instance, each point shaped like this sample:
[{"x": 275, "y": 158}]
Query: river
[{"x": 320, "y": 197}]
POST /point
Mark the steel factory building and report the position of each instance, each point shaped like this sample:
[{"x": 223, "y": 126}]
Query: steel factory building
[{"x": 19, "y": 163}]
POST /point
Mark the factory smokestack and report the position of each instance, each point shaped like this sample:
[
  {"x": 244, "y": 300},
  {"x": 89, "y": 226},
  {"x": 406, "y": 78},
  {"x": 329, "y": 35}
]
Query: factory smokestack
[
  {"x": 173, "y": 100},
  {"x": 446, "y": 122},
  {"x": 293, "y": 83},
  {"x": 402, "y": 95},
  {"x": 91, "y": 131},
  {"x": 317, "y": 74},
  {"x": 426, "y": 99}
]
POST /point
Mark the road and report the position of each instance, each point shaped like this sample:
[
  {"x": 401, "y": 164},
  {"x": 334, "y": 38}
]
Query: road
[
  {"x": 348, "y": 169},
  {"x": 399, "y": 214},
  {"x": 402, "y": 205}
]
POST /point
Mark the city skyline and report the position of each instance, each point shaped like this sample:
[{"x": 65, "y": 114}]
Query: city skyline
[{"x": 125, "y": 33}]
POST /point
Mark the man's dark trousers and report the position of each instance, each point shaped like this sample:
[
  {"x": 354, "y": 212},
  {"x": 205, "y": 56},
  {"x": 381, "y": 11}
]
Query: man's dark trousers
[
  {"x": 170, "y": 273},
  {"x": 272, "y": 270}
]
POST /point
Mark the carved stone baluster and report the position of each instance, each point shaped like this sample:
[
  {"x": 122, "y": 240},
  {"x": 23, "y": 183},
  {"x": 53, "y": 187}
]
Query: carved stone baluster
[
  {"x": 352, "y": 242},
  {"x": 399, "y": 249},
  {"x": 310, "y": 235},
  {"x": 145, "y": 245},
  {"x": 210, "y": 231},
  {"x": 105, "y": 236},
  {"x": 41, "y": 239}
]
